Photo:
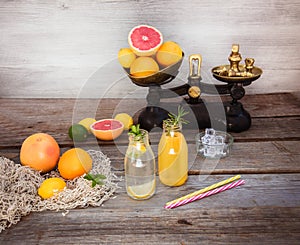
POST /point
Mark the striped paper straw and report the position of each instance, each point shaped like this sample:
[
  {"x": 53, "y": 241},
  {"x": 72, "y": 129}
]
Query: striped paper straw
[
  {"x": 211, "y": 187},
  {"x": 206, "y": 194}
]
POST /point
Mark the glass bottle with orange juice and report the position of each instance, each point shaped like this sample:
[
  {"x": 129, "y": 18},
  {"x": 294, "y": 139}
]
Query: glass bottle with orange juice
[{"x": 173, "y": 151}]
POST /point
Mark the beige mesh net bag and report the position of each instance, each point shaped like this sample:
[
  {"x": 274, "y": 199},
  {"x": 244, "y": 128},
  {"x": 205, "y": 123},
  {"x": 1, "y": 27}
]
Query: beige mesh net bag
[{"x": 19, "y": 184}]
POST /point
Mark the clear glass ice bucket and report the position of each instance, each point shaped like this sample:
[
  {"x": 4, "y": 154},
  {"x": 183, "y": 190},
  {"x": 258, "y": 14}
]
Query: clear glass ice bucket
[{"x": 218, "y": 148}]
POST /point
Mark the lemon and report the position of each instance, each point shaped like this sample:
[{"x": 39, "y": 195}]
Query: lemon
[
  {"x": 168, "y": 54},
  {"x": 126, "y": 57},
  {"x": 142, "y": 191},
  {"x": 50, "y": 187},
  {"x": 140, "y": 147},
  {"x": 125, "y": 119},
  {"x": 143, "y": 66},
  {"x": 87, "y": 122}
]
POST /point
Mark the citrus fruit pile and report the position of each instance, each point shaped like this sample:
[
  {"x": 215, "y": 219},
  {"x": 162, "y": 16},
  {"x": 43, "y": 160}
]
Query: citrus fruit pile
[
  {"x": 41, "y": 152},
  {"x": 147, "y": 52},
  {"x": 104, "y": 129}
]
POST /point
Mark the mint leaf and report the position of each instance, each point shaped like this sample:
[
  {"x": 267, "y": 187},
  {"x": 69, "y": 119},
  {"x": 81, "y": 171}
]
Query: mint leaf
[{"x": 95, "y": 178}]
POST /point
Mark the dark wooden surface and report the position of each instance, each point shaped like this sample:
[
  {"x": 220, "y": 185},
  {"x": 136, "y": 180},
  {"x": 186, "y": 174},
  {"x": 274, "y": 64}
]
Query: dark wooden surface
[{"x": 266, "y": 210}]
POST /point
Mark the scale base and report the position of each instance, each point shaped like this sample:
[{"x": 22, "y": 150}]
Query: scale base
[
  {"x": 151, "y": 117},
  {"x": 237, "y": 118}
]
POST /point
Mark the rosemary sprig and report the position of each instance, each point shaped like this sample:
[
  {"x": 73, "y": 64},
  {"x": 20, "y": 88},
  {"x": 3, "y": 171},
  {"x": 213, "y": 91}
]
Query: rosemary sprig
[
  {"x": 95, "y": 178},
  {"x": 176, "y": 120}
]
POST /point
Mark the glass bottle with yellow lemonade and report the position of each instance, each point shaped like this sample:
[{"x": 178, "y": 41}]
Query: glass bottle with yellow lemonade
[
  {"x": 173, "y": 152},
  {"x": 139, "y": 165}
]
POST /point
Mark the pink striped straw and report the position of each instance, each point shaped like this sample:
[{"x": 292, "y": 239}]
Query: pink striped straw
[{"x": 205, "y": 194}]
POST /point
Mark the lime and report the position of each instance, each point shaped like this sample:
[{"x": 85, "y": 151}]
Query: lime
[
  {"x": 125, "y": 119},
  {"x": 78, "y": 132},
  {"x": 87, "y": 122}
]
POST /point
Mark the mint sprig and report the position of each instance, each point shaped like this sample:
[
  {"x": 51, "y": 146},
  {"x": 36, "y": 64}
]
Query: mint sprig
[
  {"x": 95, "y": 178},
  {"x": 136, "y": 132}
]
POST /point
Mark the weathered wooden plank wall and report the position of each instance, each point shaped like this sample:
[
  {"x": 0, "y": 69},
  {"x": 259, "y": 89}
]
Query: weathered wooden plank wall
[{"x": 68, "y": 48}]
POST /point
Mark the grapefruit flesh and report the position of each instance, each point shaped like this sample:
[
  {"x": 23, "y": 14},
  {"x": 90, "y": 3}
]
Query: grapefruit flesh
[
  {"x": 145, "y": 40},
  {"x": 107, "y": 129}
]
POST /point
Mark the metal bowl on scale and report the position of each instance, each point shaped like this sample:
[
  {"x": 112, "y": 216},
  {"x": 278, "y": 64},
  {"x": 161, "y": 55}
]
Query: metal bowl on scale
[{"x": 163, "y": 76}]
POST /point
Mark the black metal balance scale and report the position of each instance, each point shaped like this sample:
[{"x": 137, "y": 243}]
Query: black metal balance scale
[{"x": 235, "y": 77}]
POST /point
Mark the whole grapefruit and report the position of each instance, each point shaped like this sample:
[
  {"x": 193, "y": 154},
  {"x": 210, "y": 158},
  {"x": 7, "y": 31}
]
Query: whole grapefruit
[{"x": 40, "y": 151}]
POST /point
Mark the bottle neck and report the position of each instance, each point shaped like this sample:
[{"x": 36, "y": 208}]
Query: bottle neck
[
  {"x": 172, "y": 129},
  {"x": 142, "y": 139}
]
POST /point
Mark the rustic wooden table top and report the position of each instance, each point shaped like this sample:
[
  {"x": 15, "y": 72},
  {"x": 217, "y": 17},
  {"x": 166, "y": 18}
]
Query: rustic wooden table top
[{"x": 266, "y": 210}]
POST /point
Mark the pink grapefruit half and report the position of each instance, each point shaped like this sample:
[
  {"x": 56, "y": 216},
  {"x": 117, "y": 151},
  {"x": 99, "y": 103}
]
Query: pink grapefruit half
[
  {"x": 145, "y": 40},
  {"x": 107, "y": 129}
]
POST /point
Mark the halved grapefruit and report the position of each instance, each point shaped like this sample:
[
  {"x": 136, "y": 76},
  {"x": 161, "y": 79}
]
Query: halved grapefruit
[
  {"x": 145, "y": 40},
  {"x": 107, "y": 129}
]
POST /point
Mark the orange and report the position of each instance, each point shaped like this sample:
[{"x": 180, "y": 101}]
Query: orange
[
  {"x": 168, "y": 54},
  {"x": 143, "y": 66},
  {"x": 126, "y": 57},
  {"x": 107, "y": 129},
  {"x": 50, "y": 187},
  {"x": 74, "y": 163},
  {"x": 40, "y": 151}
]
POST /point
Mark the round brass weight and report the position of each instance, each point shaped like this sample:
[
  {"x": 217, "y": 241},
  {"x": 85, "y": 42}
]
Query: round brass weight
[{"x": 194, "y": 92}]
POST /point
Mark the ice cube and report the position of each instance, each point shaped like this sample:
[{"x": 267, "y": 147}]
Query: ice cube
[
  {"x": 209, "y": 151},
  {"x": 207, "y": 139},
  {"x": 209, "y": 136},
  {"x": 210, "y": 131},
  {"x": 219, "y": 140}
]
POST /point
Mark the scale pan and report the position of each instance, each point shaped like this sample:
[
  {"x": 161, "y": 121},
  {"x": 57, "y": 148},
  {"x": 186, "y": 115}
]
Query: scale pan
[
  {"x": 161, "y": 77},
  {"x": 239, "y": 79}
]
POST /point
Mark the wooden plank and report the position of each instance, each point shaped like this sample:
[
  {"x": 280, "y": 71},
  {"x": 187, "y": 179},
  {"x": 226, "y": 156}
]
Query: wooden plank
[
  {"x": 275, "y": 117},
  {"x": 274, "y": 129},
  {"x": 259, "y": 105},
  {"x": 262, "y": 157},
  {"x": 272, "y": 105},
  {"x": 263, "y": 211},
  {"x": 50, "y": 42}
]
